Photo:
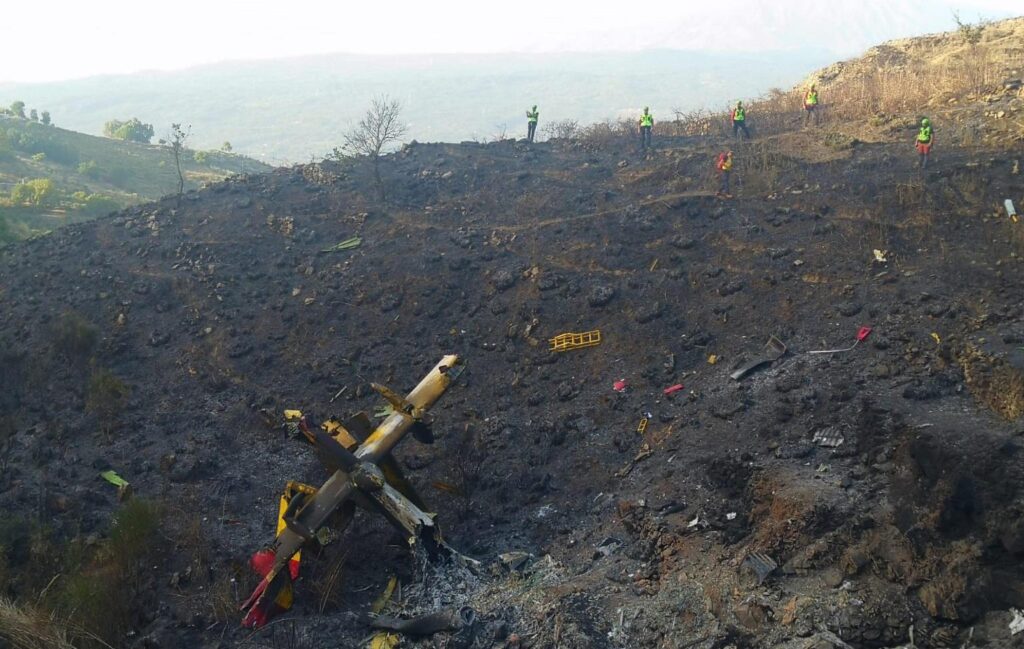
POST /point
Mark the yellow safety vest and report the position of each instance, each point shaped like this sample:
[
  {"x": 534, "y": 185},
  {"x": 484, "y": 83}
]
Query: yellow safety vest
[{"x": 647, "y": 119}]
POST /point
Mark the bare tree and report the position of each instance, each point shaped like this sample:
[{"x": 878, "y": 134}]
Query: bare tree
[
  {"x": 379, "y": 128},
  {"x": 566, "y": 129},
  {"x": 176, "y": 140}
]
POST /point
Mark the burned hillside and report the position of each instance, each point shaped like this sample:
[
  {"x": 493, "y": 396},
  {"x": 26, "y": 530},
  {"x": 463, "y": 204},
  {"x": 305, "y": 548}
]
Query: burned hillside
[{"x": 870, "y": 496}]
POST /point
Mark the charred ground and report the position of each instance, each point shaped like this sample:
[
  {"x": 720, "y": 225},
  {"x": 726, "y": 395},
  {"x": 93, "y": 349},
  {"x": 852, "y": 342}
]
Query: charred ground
[{"x": 164, "y": 342}]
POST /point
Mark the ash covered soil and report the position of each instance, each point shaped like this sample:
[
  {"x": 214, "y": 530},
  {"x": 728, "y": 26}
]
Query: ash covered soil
[{"x": 221, "y": 312}]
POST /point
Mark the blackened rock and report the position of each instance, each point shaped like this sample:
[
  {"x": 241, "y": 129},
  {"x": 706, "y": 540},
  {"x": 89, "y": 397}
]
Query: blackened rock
[
  {"x": 390, "y": 301},
  {"x": 848, "y": 309},
  {"x": 503, "y": 280},
  {"x": 565, "y": 391},
  {"x": 933, "y": 388},
  {"x": 729, "y": 288},
  {"x": 548, "y": 281},
  {"x": 1012, "y": 535},
  {"x": 682, "y": 242},
  {"x": 239, "y": 349},
  {"x": 727, "y": 410},
  {"x": 794, "y": 451},
  {"x": 185, "y": 468},
  {"x": 789, "y": 382},
  {"x": 461, "y": 238},
  {"x": 600, "y": 295},
  {"x": 649, "y": 312}
]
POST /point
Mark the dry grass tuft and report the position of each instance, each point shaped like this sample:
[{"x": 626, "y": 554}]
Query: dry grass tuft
[
  {"x": 29, "y": 628},
  {"x": 889, "y": 87}
]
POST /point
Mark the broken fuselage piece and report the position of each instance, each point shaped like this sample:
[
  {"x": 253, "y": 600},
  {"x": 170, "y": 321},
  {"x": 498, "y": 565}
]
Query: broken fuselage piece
[{"x": 363, "y": 473}]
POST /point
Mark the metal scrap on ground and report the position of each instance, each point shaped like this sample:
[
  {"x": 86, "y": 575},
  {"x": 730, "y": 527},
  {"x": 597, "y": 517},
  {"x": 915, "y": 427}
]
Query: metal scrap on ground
[
  {"x": 774, "y": 349},
  {"x": 862, "y": 334},
  {"x": 347, "y": 244},
  {"x": 429, "y": 624},
  {"x": 567, "y": 341},
  {"x": 383, "y": 639},
  {"x": 114, "y": 479},
  {"x": 124, "y": 490},
  {"x": 761, "y": 564}
]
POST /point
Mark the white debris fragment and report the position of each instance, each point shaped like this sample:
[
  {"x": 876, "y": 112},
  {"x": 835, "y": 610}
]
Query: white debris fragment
[
  {"x": 731, "y": 516},
  {"x": 829, "y": 437},
  {"x": 545, "y": 511},
  {"x": 1017, "y": 623}
]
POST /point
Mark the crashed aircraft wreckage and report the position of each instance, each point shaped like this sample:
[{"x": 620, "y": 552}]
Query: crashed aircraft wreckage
[{"x": 363, "y": 473}]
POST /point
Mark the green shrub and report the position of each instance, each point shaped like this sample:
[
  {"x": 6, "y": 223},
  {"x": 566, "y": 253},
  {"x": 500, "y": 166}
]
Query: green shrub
[
  {"x": 7, "y": 428},
  {"x": 6, "y": 231},
  {"x": 132, "y": 533},
  {"x": 90, "y": 169},
  {"x": 101, "y": 598},
  {"x": 95, "y": 602},
  {"x": 96, "y": 594},
  {"x": 99, "y": 205},
  {"x": 134, "y": 130},
  {"x": 37, "y": 139},
  {"x": 105, "y": 396},
  {"x": 73, "y": 336}
]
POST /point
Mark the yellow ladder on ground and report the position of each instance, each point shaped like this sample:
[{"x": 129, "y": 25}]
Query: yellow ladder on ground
[{"x": 565, "y": 342}]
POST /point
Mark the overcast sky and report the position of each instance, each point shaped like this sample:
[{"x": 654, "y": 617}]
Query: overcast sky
[{"x": 63, "y": 39}]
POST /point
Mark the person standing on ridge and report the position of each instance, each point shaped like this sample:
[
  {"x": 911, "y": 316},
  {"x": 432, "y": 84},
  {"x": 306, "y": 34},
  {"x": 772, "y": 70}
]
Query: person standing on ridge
[
  {"x": 646, "y": 124},
  {"x": 925, "y": 139},
  {"x": 724, "y": 166},
  {"x": 739, "y": 120},
  {"x": 531, "y": 123},
  {"x": 811, "y": 105}
]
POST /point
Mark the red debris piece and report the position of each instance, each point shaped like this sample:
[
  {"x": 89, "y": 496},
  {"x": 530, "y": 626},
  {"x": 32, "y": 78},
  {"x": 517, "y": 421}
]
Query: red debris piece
[
  {"x": 863, "y": 333},
  {"x": 263, "y": 561},
  {"x": 620, "y": 385},
  {"x": 673, "y": 388}
]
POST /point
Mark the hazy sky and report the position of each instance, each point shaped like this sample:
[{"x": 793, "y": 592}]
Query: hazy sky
[{"x": 64, "y": 39}]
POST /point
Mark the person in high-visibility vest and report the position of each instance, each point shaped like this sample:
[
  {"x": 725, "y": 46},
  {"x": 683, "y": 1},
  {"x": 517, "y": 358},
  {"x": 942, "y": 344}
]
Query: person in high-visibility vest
[
  {"x": 646, "y": 124},
  {"x": 739, "y": 120},
  {"x": 724, "y": 166},
  {"x": 924, "y": 142},
  {"x": 811, "y": 105},
  {"x": 531, "y": 123}
]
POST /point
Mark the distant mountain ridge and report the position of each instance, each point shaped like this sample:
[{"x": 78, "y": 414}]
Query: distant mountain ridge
[{"x": 296, "y": 109}]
